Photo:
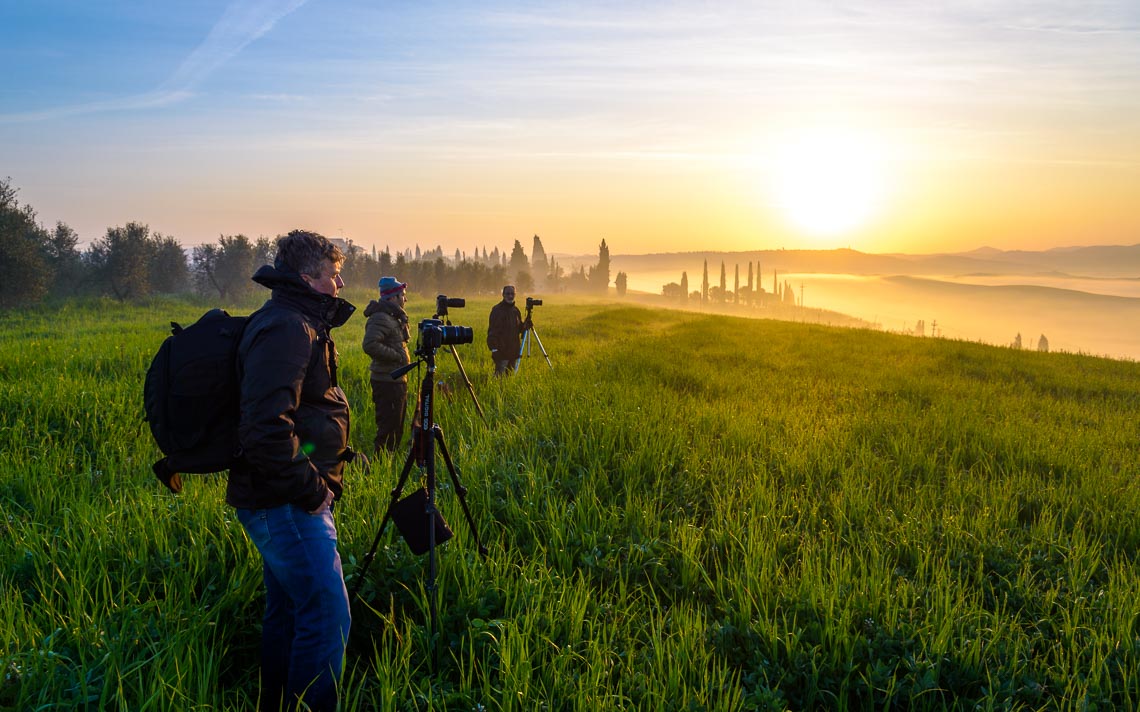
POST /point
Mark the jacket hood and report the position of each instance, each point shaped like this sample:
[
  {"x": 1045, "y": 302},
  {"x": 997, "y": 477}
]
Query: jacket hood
[
  {"x": 289, "y": 288},
  {"x": 387, "y": 307}
]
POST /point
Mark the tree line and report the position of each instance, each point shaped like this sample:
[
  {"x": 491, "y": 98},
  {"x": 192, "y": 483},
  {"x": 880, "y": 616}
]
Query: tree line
[
  {"x": 132, "y": 262},
  {"x": 749, "y": 293}
]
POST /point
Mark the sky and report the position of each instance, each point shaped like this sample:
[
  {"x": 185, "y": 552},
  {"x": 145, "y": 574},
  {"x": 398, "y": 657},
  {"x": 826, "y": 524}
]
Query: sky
[{"x": 657, "y": 126}]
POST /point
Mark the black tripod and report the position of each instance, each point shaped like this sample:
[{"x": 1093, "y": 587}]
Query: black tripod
[
  {"x": 525, "y": 345},
  {"x": 425, "y": 435}
]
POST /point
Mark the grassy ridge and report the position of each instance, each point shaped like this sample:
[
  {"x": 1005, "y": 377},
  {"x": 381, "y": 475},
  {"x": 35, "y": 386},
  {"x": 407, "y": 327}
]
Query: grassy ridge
[{"x": 689, "y": 512}]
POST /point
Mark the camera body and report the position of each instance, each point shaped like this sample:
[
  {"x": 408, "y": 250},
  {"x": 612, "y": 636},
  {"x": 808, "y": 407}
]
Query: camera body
[
  {"x": 434, "y": 333},
  {"x": 531, "y": 303},
  {"x": 442, "y": 302}
]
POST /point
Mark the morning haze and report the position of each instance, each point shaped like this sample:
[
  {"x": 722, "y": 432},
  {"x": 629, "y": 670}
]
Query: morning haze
[{"x": 1084, "y": 300}]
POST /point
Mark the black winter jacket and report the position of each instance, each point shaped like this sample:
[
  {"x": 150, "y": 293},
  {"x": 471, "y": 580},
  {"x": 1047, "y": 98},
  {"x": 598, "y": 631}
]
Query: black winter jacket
[
  {"x": 294, "y": 417},
  {"x": 504, "y": 331}
]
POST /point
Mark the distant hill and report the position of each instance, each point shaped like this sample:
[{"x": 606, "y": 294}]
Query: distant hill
[
  {"x": 1073, "y": 320},
  {"x": 1099, "y": 261},
  {"x": 985, "y": 294}
]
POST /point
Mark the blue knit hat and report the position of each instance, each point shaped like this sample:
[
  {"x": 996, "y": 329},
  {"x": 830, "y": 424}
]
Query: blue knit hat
[{"x": 391, "y": 285}]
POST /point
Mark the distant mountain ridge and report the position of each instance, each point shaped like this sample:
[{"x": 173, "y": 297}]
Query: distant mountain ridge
[{"x": 1120, "y": 261}]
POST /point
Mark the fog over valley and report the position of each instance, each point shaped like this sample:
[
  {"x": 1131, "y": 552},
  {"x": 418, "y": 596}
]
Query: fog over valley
[{"x": 1083, "y": 300}]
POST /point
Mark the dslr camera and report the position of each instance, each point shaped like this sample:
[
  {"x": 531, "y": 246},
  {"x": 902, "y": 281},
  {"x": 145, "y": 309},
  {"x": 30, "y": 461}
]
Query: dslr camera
[
  {"x": 433, "y": 334},
  {"x": 442, "y": 302},
  {"x": 531, "y": 303}
]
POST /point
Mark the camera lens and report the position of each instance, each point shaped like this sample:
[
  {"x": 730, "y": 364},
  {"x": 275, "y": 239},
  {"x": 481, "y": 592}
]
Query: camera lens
[{"x": 456, "y": 335}]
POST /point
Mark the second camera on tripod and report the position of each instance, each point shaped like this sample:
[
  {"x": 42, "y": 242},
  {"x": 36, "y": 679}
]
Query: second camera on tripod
[{"x": 435, "y": 332}]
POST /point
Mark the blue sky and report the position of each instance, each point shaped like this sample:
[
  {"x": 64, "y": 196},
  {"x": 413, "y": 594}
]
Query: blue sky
[{"x": 652, "y": 125}]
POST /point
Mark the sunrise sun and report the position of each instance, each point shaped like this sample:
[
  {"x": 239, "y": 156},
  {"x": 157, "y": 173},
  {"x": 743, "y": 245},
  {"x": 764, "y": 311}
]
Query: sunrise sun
[{"x": 827, "y": 183}]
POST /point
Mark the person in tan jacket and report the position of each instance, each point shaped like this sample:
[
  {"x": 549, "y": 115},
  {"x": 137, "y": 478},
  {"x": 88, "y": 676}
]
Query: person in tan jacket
[{"x": 386, "y": 336}]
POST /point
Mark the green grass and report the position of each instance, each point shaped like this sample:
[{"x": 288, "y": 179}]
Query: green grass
[{"x": 688, "y": 513}]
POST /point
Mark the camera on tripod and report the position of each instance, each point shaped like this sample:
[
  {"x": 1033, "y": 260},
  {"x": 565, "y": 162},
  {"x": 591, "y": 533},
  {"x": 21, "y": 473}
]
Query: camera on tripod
[
  {"x": 433, "y": 334},
  {"x": 531, "y": 303},
  {"x": 442, "y": 302}
]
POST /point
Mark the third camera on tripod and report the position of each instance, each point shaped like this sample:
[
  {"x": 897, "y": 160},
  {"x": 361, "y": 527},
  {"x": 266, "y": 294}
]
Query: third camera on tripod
[
  {"x": 433, "y": 334},
  {"x": 533, "y": 303},
  {"x": 442, "y": 302}
]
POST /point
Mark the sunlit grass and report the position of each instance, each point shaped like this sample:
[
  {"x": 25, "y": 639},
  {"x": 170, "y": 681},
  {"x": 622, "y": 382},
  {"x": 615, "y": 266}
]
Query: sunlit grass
[{"x": 687, "y": 512}]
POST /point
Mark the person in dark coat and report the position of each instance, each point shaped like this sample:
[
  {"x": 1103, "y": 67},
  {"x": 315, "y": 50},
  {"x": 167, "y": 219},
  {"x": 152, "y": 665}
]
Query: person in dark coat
[
  {"x": 386, "y": 336},
  {"x": 504, "y": 332},
  {"x": 293, "y": 433}
]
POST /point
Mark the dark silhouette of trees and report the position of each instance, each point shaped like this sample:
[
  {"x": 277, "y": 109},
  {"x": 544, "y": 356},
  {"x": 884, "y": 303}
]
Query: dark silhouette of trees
[
  {"x": 120, "y": 261},
  {"x": 131, "y": 262},
  {"x": 539, "y": 266},
  {"x": 555, "y": 276},
  {"x": 519, "y": 262},
  {"x": 684, "y": 286},
  {"x": 203, "y": 267},
  {"x": 26, "y": 268},
  {"x": 599, "y": 280},
  {"x": 65, "y": 261},
  {"x": 525, "y": 282},
  {"x": 705, "y": 285},
  {"x": 723, "y": 287},
  {"x": 226, "y": 267},
  {"x": 621, "y": 281},
  {"x": 433, "y": 276},
  {"x": 169, "y": 272}
]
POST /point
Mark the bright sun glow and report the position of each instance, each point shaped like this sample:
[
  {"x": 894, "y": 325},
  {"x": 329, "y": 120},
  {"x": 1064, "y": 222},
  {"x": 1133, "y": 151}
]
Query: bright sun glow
[{"x": 827, "y": 182}]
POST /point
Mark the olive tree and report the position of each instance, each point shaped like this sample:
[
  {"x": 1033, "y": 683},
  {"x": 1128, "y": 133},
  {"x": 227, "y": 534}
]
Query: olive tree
[
  {"x": 120, "y": 261},
  {"x": 24, "y": 267}
]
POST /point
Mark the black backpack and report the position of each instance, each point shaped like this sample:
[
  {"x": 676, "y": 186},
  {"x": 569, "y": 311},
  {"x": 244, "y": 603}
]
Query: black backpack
[{"x": 191, "y": 397}]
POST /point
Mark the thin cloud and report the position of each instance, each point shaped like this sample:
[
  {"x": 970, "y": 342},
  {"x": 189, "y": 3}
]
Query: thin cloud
[{"x": 243, "y": 22}]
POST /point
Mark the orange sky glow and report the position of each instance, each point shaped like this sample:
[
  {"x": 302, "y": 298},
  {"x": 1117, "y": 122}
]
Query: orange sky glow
[{"x": 884, "y": 127}]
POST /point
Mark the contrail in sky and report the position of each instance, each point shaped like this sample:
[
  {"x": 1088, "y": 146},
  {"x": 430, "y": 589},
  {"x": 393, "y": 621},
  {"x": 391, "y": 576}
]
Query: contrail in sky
[{"x": 243, "y": 22}]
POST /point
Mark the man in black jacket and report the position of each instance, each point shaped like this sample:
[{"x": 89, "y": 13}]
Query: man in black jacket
[
  {"x": 504, "y": 332},
  {"x": 294, "y": 437}
]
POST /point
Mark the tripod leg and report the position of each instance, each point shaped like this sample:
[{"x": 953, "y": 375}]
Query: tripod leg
[
  {"x": 540, "y": 348},
  {"x": 432, "y": 512},
  {"x": 522, "y": 348},
  {"x": 460, "y": 490},
  {"x": 387, "y": 515},
  {"x": 470, "y": 388}
]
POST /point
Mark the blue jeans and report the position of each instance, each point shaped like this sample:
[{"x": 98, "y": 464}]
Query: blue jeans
[{"x": 306, "y": 622}]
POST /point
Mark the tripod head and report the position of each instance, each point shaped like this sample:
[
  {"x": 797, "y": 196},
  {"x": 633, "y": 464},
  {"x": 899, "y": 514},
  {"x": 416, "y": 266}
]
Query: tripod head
[
  {"x": 442, "y": 302},
  {"x": 530, "y": 305}
]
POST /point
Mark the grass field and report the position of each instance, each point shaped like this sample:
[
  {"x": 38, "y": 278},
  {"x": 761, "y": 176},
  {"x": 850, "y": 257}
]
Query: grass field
[{"x": 687, "y": 513}]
